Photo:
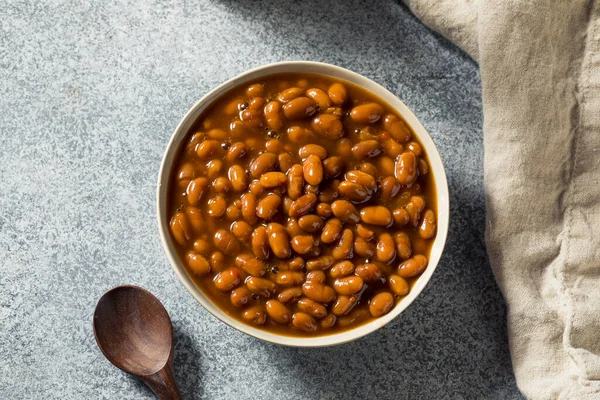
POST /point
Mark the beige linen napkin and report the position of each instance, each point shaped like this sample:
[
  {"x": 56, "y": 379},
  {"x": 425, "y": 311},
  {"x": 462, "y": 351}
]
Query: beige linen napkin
[{"x": 540, "y": 73}]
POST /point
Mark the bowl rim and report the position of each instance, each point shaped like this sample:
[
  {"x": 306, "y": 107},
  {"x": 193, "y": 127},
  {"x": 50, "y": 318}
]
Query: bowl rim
[{"x": 312, "y": 67}]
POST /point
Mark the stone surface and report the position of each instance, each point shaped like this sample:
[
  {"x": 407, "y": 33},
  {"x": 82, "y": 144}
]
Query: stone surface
[{"x": 89, "y": 95}]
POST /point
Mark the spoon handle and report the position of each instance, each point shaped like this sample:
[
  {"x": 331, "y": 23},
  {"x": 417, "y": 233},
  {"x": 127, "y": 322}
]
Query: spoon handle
[{"x": 163, "y": 383}]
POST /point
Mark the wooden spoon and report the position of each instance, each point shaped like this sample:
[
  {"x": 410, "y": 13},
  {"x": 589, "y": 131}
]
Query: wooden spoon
[{"x": 134, "y": 331}]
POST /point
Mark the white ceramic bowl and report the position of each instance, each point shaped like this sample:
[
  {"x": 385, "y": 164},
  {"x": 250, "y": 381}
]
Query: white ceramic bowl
[{"x": 324, "y": 69}]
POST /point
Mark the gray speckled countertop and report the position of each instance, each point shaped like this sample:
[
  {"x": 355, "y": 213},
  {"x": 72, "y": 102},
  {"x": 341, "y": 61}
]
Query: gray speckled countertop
[{"x": 89, "y": 95}]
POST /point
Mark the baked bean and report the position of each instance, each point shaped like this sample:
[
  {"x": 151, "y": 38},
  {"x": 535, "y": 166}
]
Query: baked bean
[
  {"x": 400, "y": 216},
  {"x": 362, "y": 178},
  {"x": 302, "y": 244},
  {"x": 261, "y": 286},
  {"x": 226, "y": 242},
  {"x": 303, "y": 205},
  {"x": 238, "y": 178},
  {"x": 386, "y": 248},
  {"x": 262, "y": 164},
  {"x": 328, "y": 321},
  {"x": 403, "y": 246},
  {"x": 311, "y": 223},
  {"x": 186, "y": 174},
  {"x": 278, "y": 240},
  {"x": 367, "y": 113},
  {"x": 332, "y": 167},
  {"x": 345, "y": 211},
  {"x": 295, "y": 181},
  {"x": 241, "y": 230},
  {"x": 363, "y": 248},
  {"x": 255, "y": 315},
  {"x": 369, "y": 273},
  {"x": 312, "y": 308},
  {"x": 364, "y": 232},
  {"x": 338, "y": 94},
  {"x": 267, "y": 207},
  {"x": 202, "y": 246},
  {"x": 323, "y": 210},
  {"x": 293, "y": 229},
  {"x": 413, "y": 266},
  {"x": 236, "y": 151},
  {"x": 296, "y": 264},
  {"x": 328, "y": 125},
  {"x": 213, "y": 168},
  {"x": 341, "y": 269},
  {"x": 194, "y": 217},
  {"x": 381, "y": 304},
  {"x": 233, "y": 106},
  {"x": 285, "y": 162},
  {"x": 316, "y": 277},
  {"x": 239, "y": 129},
  {"x": 250, "y": 264},
  {"x": 273, "y": 179},
  {"x": 390, "y": 187},
  {"x": 289, "y": 278},
  {"x": 278, "y": 312},
  {"x": 335, "y": 111},
  {"x": 217, "y": 134},
  {"x": 354, "y": 192},
  {"x": 329, "y": 193},
  {"x": 392, "y": 148},
  {"x": 221, "y": 185},
  {"x": 310, "y": 149},
  {"x": 415, "y": 148},
  {"x": 274, "y": 146},
  {"x": 240, "y": 296},
  {"x": 343, "y": 305},
  {"x": 299, "y": 108},
  {"x": 190, "y": 148},
  {"x": 343, "y": 249},
  {"x": 427, "y": 228},
  {"x": 207, "y": 149},
  {"x": 228, "y": 279},
  {"x": 289, "y": 94},
  {"x": 344, "y": 148},
  {"x": 197, "y": 263},
  {"x": 233, "y": 213},
  {"x": 376, "y": 215},
  {"x": 320, "y": 263},
  {"x": 255, "y": 90},
  {"x": 249, "y": 204},
  {"x": 290, "y": 295},
  {"x": 368, "y": 168},
  {"x": 256, "y": 188},
  {"x": 398, "y": 285},
  {"x": 252, "y": 117},
  {"x": 386, "y": 166},
  {"x": 415, "y": 206},
  {"x": 318, "y": 292},
  {"x": 297, "y": 134},
  {"x": 216, "y": 261},
  {"x": 332, "y": 231},
  {"x": 217, "y": 206},
  {"x": 366, "y": 149},
  {"x": 313, "y": 170},
  {"x": 396, "y": 128},
  {"x": 304, "y": 322},
  {"x": 195, "y": 189},
  {"x": 423, "y": 167},
  {"x": 406, "y": 168},
  {"x": 319, "y": 97},
  {"x": 348, "y": 285}
]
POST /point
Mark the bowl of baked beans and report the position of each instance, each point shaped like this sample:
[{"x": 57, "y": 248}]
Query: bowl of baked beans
[{"x": 303, "y": 204}]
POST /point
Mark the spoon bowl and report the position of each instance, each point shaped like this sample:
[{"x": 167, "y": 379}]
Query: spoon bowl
[{"x": 134, "y": 332}]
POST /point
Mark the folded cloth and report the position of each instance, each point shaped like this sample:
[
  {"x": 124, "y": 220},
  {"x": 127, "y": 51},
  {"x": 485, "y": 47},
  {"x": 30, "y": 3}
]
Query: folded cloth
[{"x": 540, "y": 74}]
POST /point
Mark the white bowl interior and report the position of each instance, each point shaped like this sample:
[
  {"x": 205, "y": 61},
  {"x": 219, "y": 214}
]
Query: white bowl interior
[{"x": 436, "y": 167}]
